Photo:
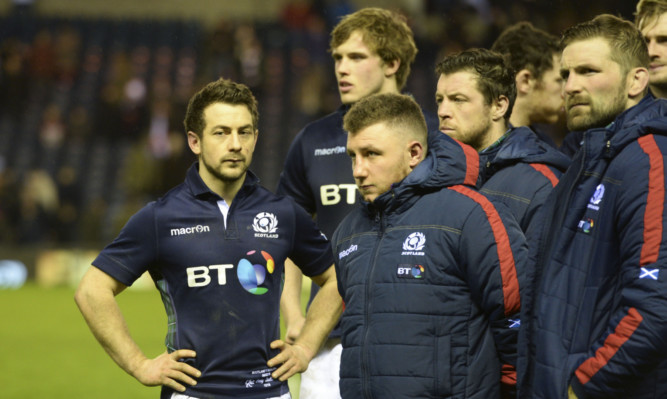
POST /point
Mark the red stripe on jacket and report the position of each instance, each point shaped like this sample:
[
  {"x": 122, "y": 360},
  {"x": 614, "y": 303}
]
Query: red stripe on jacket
[
  {"x": 505, "y": 255},
  {"x": 472, "y": 164},
  {"x": 654, "y": 201},
  {"x": 612, "y": 344},
  {"x": 548, "y": 173}
]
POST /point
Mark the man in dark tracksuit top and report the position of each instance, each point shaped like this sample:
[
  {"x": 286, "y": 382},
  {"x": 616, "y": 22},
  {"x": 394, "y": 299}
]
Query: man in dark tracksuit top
[
  {"x": 317, "y": 171},
  {"x": 215, "y": 247},
  {"x": 651, "y": 20},
  {"x": 521, "y": 171},
  {"x": 593, "y": 324},
  {"x": 475, "y": 96},
  {"x": 427, "y": 266},
  {"x": 534, "y": 57}
]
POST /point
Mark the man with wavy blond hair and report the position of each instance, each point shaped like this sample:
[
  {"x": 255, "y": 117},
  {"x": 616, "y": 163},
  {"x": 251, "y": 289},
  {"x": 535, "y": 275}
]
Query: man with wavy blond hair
[
  {"x": 651, "y": 19},
  {"x": 372, "y": 50}
]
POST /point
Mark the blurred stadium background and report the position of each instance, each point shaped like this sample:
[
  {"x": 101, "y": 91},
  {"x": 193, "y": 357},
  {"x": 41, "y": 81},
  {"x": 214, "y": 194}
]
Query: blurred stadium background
[{"x": 92, "y": 97}]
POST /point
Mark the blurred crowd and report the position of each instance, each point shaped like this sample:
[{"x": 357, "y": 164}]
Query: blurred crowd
[{"x": 91, "y": 110}]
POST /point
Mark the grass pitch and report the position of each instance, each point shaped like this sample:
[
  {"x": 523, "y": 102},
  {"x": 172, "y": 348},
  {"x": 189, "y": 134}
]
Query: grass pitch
[{"x": 47, "y": 350}]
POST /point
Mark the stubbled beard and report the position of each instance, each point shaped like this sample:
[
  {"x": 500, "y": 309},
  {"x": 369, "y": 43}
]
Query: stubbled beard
[
  {"x": 221, "y": 176},
  {"x": 599, "y": 116}
]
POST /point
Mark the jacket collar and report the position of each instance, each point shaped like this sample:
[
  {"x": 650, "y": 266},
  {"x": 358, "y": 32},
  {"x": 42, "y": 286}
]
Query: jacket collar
[
  {"x": 523, "y": 145},
  {"x": 448, "y": 163}
]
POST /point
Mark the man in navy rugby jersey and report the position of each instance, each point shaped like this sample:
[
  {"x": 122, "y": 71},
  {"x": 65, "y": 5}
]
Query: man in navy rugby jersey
[
  {"x": 373, "y": 50},
  {"x": 215, "y": 247}
]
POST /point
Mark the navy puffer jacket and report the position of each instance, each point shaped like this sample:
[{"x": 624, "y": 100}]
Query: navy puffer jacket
[
  {"x": 596, "y": 301},
  {"x": 429, "y": 273}
]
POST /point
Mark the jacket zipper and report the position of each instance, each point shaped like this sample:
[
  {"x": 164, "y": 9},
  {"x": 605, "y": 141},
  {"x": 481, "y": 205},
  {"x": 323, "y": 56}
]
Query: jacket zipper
[
  {"x": 548, "y": 227},
  {"x": 365, "y": 371}
]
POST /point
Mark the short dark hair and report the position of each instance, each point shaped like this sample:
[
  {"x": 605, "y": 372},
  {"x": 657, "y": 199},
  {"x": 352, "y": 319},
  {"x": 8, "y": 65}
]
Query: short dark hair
[
  {"x": 396, "y": 110},
  {"x": 384, "y": 32},
  {"x": 495, "y": 77},
  {"x": 221, "y": 91},
  {"x": 648, "y": 11},
  {"x": 527, "y": 47},
  {"x": 627, "y": 45}
]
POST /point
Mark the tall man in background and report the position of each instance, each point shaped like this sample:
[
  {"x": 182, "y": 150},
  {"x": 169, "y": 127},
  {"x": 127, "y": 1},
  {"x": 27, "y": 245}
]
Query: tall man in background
[
  {"x": 372, "y": 50},
  {"x": 475, "y": 95},
  {"x": 534, "y": 56},
  {"x": 593, "y": 323},
  {"x": 651, "y": 19},
  {"x": 215, "y": 247}
]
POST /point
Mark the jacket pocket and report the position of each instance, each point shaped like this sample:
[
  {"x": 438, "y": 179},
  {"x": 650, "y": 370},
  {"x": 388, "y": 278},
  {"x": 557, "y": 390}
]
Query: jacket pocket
[{"x": 443, "y": 366}]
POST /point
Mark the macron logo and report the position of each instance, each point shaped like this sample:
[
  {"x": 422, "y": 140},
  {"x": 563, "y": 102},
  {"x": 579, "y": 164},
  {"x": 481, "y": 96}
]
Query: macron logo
[
  {"x": 348, "y": 251},
  {"x": 190, "y": 230},
  {"x": 330, "y": 151}
]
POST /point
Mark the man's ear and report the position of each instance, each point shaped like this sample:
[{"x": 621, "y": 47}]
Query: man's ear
[
  {"x": 637, "y": 80},
  {"x": 499, "y": 108},
  {"x": 417, "y": 153},
  {"x": 391, "y": 67},
  {"x": 525, "y": 81},
  {"x": 194, "y": 142}
]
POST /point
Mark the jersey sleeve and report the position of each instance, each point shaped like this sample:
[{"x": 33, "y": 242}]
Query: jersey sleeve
[
  {"x": 634, "y": 341},
  {"x": 494, "y": 252},
  {"x": 293, "y": 181},
  {"x": 311, "y": 251},
  {"x": 133, "y": 251}
]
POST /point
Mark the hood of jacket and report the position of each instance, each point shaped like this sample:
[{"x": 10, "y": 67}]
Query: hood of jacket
[
  {"x": 448, "y": 163},
  {"x": 649, "y": 116},
  {"x": 523, "y": 145}
]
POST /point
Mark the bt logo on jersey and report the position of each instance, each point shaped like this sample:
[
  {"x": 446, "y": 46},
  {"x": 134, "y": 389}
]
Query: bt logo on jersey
[
  {"x": 251, "y": 275},
  {"x": 330, "y": 194},
  {"x": 200, "y": 276}
]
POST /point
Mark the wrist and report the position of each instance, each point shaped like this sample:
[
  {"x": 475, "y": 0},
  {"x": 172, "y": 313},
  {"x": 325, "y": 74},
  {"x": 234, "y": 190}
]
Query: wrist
[{"x": 306, "y": 350}]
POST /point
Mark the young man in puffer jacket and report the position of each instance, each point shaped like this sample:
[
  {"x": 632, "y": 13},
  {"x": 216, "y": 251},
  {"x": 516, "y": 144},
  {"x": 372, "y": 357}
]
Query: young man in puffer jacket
[{"x": 427, "y": 266}]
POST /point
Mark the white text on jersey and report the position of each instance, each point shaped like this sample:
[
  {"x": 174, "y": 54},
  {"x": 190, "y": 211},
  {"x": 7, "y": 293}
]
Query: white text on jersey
[{"x": 330, "y": 193}]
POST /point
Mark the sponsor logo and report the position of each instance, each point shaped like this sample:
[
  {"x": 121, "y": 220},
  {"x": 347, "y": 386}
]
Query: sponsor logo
[
  {"x": 348, "y": 251},
  {"x": 265, "y": 225},
  {"x": 200, "y": 276},
  {"x": 330, "y": 151},
  {"x": 251, "y": 272},
  {"x": 252, "y": 275},
  {"x": 414, "y": 244},
  {"x": 410, "y": 271},
  {"x": 596, "y": 198},
  {"x": 190, "y": 230},
  {"x": 332, "y": 194},
  {"x": 586, "y": 225}
]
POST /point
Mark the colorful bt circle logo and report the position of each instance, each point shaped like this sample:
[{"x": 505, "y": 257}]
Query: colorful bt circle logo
[
  {"x": 251, "y": 276},
  {"x": 418, "y": 271}
]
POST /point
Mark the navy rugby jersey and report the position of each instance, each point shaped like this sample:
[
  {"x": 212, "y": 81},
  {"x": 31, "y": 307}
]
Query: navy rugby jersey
[
  {"x": 220, "y": 284},
  {"x": 318, "y": 173}
]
